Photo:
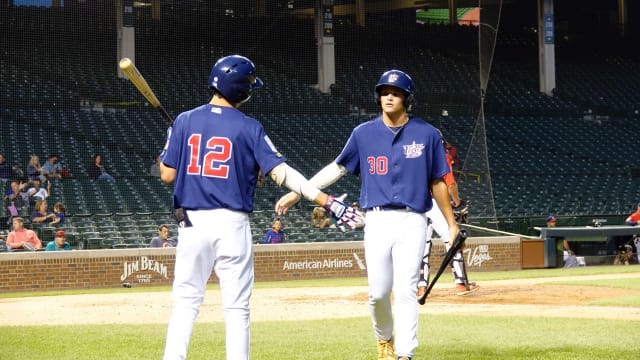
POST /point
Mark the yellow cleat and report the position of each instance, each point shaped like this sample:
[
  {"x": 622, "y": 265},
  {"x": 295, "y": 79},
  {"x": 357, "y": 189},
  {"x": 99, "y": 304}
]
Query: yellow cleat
[{"x": 386, "y": 350}]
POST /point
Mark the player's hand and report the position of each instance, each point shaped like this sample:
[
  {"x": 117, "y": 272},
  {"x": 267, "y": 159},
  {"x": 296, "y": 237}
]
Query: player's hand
[
  {"x": 166, "y": 144},
  {"x": 343, "y": 214},
  {"x": 453, "y": 232},
  {"x": 286, "y": 202}
]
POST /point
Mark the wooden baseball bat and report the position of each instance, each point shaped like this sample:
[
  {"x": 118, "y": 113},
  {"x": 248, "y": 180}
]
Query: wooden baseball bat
[
  {"x": 129, "y": 68},
  {"x": 457, "y": 245}
]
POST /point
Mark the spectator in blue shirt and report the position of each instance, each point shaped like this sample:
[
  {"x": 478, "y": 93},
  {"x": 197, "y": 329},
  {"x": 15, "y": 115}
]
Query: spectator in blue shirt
[
  {"x": 8, "y": 172},
  {"x": 275, "y": 235},
  {"x": 162, "y": 240},
  {"x": 59, "y": 243},
  {"x": 52, "y": 168},
  {"x": 60, "y": 211}
]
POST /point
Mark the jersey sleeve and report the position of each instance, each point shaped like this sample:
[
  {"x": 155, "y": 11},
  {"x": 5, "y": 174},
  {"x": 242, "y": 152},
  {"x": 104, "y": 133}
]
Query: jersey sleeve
[
  {"x": 173, "y": 149},
  {"x": 266, "y": 153},
  {"x": 440, "y": 166},
  {"x": 349, "y": 157}
]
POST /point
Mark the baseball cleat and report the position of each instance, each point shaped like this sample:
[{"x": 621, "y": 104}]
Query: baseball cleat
[
  {"x": 386, "y": 350},
  {"x": 462, "y": 290},
  {"x": 422, "y": 295},
  {"x": 404, "y": 357}
]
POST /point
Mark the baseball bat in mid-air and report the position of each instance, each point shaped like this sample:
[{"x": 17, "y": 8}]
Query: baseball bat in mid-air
[
  {"x": 129, "y": 68},
  {"x": 457, "y": 245}
]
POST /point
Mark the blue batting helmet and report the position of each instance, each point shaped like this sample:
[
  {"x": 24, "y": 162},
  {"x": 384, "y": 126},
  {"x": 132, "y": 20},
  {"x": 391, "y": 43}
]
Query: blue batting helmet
[
  {"x": 234, "y": 77},
  {"x": 399, "y": 79}
]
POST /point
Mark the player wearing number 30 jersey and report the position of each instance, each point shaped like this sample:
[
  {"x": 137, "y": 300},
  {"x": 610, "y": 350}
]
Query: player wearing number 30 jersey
[
  {"x": 213, "y": 156},
  {"x": 399, "y": 159}
]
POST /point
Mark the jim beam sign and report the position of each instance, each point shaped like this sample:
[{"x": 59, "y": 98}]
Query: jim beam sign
[{"x": 143, "y": 270}]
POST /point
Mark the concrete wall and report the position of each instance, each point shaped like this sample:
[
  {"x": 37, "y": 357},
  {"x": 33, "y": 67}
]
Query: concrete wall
[{"x": 83, "y": 269}]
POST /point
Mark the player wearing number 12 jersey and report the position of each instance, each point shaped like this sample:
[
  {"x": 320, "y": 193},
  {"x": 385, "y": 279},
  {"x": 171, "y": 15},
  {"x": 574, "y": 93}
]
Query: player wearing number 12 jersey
[
  {"x": 399, "y": 159},
  {"x": 213, "y": 156}
]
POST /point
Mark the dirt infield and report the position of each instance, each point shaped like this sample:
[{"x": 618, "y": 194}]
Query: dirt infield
[{"x": 495, "y": 298}]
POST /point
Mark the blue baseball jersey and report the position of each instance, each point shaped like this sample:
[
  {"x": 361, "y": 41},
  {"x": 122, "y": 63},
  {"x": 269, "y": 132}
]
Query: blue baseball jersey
[
  {"x": 217, "y": 152},
  {"x": 272, "y": 237},
  {"x": 395, "y": 167}
]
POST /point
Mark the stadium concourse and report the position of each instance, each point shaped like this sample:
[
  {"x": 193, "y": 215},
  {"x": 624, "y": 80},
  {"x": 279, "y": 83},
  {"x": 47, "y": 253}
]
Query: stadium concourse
[{"x": 566, "y": 154}]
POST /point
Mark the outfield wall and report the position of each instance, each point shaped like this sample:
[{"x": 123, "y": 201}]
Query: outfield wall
[{"x": 78, "y": 269}]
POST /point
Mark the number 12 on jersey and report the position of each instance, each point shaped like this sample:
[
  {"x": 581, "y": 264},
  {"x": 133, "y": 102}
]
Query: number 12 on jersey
[{"x": 214, "y": 159}]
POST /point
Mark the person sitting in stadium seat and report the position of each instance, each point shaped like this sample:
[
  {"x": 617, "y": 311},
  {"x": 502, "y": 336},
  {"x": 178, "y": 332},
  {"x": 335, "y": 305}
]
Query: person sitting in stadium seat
[
  {"x": 60, "y": 211},
  {"x": 97, "y": 171},
  {"x": 41, "y": 214},
  {"x": 319, "y": 218},
  {"x": 59, "y": 243},
  {"x": 52, "y": 168},
  {"x": 34, "y": 169},
  {"x": 22, "y": 238},
  {"x": 275, "y": 235},
  {"x": 8, "y": 172},
  {"x": 162, "y": 240}
]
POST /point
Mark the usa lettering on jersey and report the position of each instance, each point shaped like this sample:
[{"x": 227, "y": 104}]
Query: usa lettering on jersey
[{"x": 413, "y": 150}]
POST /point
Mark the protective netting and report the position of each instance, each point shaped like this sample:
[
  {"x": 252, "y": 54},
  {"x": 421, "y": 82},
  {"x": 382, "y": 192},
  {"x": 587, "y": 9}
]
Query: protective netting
[
  {"x": 61, "y": 95},
  {"x": 476, "y": 166}
]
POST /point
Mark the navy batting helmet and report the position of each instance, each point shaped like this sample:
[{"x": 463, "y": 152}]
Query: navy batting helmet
[
  {"x": 399, "y": 79},
  {"x": 234, "y": 77}
]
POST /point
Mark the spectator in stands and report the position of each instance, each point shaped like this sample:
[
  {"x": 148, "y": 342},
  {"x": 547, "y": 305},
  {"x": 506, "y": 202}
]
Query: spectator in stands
[
  {"x": 319, "y": 218},
  {"x": 275, "y": 235},
  {"x": 162, "y": 240},
  {"x": 7, "y": 171},
  {"x": 60, "y": 211},
  {"x": 22, "y": 238},
  {"x": 35, "y": 170},
  {"x": 97, "y": 171},
  {"x": 52, "y": 168},
  {"x": 41, "y": 214},
  {"x": 154, "y": 170},
  {"x": 17, "y": 194},
  {"x": 59, "y": 243},
  {"x": 568, "y": 255},
  {"x": 36, "y": 192}
]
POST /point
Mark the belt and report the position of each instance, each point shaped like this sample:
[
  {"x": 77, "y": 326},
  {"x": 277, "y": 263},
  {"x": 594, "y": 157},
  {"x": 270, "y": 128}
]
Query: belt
[{"x": 390, "y": 208}]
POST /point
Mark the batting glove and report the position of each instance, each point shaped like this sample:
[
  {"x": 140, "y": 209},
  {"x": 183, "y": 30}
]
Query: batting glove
[
  {"x": 166, "y": 144},
  {"x": 343, "y": 214}
]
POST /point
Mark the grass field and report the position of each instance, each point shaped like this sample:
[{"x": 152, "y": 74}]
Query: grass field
[{"x": 440, "y": 336}]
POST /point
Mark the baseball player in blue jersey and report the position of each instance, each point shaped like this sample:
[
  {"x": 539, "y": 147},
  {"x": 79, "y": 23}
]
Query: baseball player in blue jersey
[
  {"x": 213, "y": 155},
  {"x": 396, "y": 156}
]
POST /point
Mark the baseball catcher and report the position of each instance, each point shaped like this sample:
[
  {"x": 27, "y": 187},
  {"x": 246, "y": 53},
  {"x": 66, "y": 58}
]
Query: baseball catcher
[{"x": 438, "y": 223}]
